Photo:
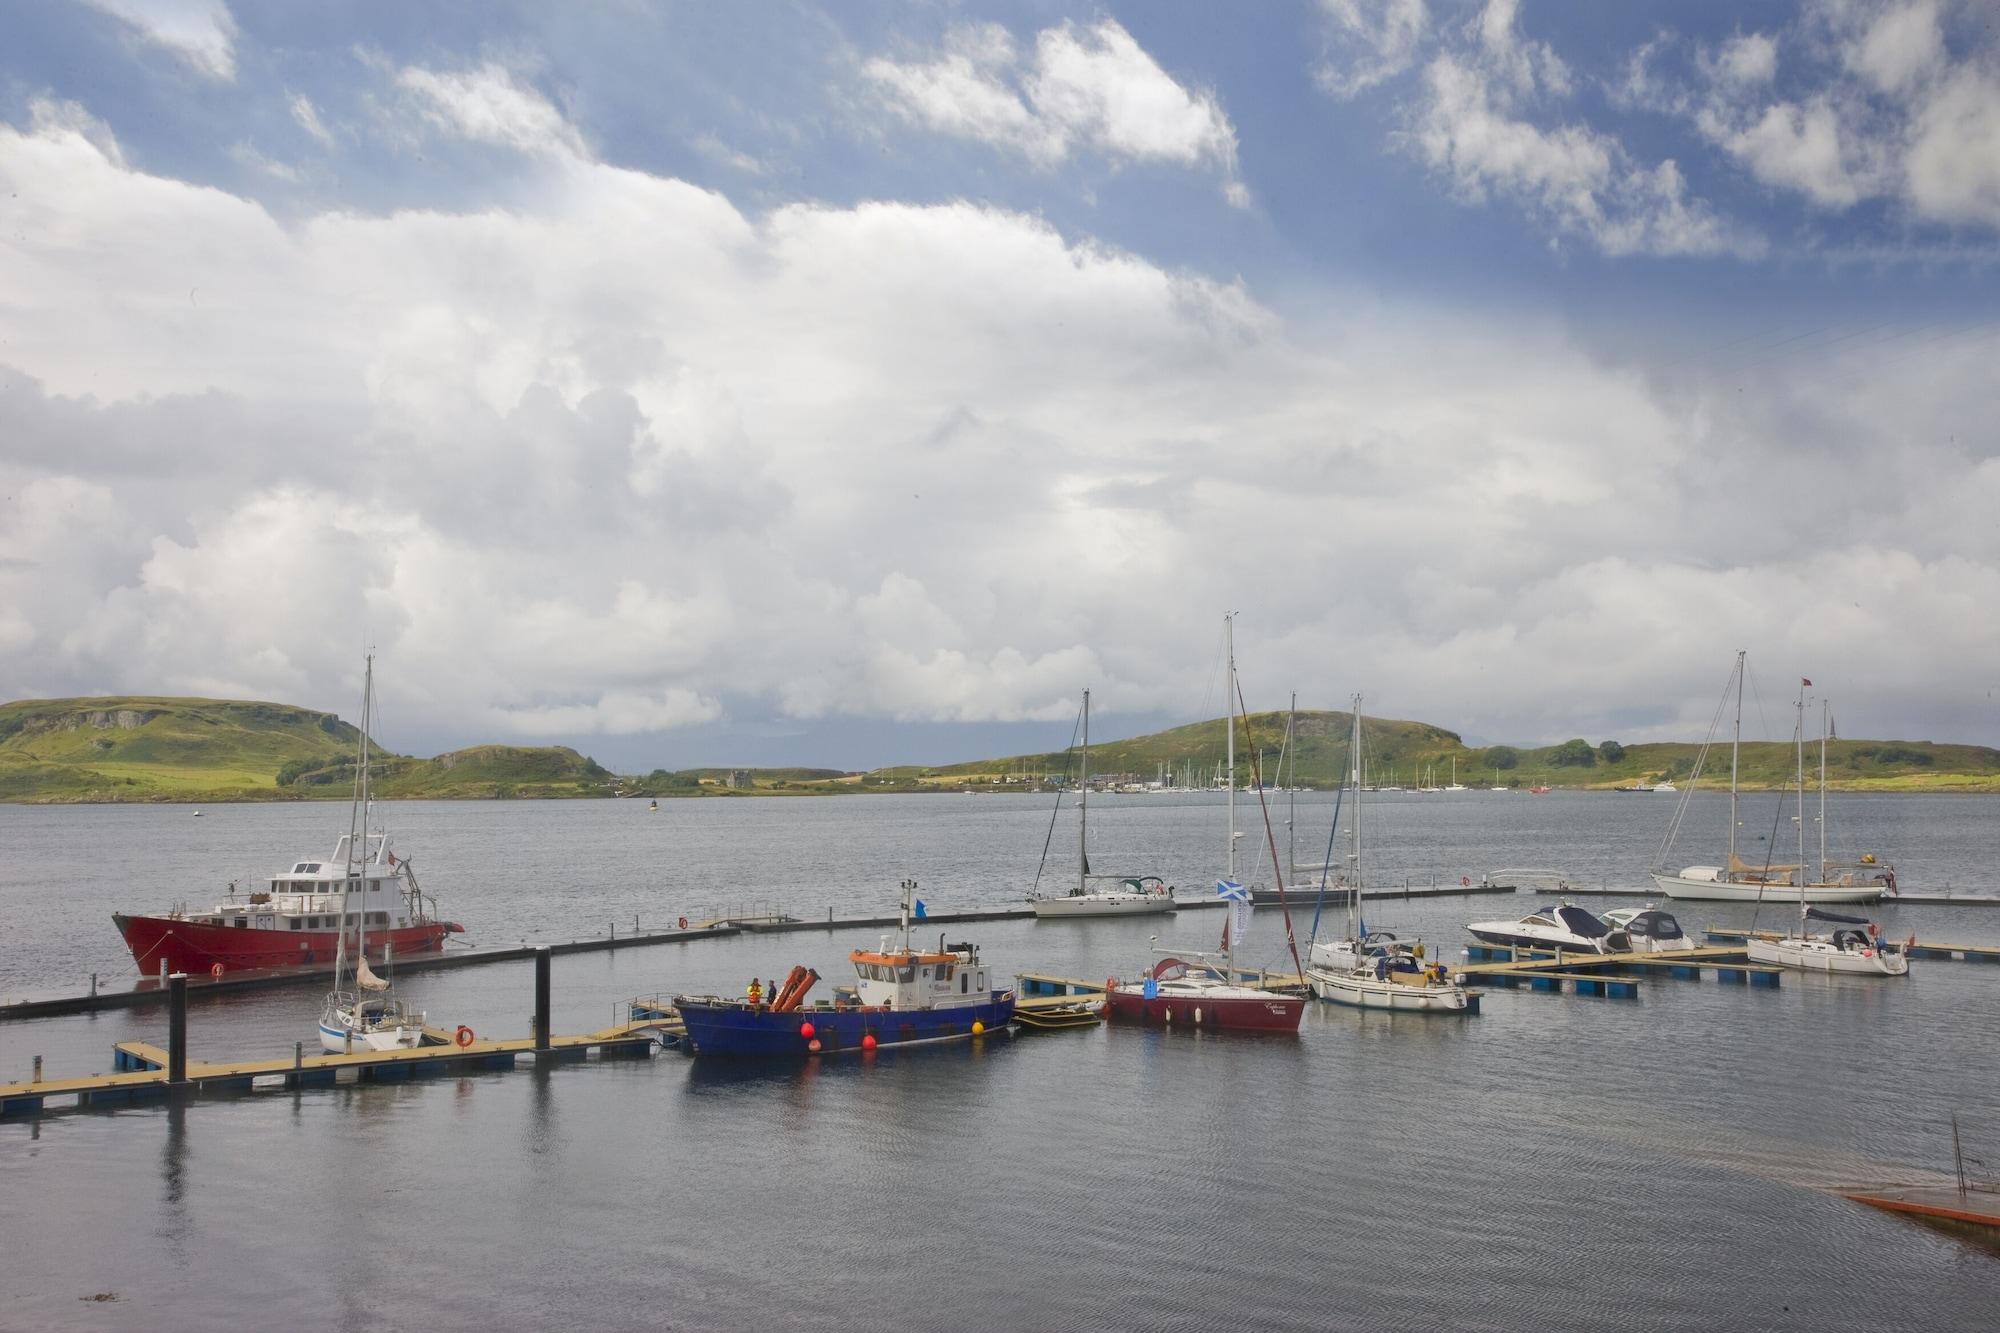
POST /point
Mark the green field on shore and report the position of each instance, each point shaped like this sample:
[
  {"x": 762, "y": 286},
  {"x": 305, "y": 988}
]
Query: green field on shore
[{"x": 209, "y": 750}]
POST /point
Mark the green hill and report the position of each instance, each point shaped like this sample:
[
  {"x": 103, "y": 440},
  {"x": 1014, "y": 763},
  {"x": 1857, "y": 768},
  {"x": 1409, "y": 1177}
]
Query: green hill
[
  {"x": 152, "y": 749},
  {"x": 1404, "y": 752}
]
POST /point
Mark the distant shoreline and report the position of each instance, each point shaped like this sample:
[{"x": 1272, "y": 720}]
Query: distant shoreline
[{"x": 1971, "y": 787}]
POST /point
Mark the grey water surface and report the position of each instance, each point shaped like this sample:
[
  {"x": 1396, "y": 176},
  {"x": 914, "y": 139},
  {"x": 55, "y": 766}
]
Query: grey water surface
[{"x": 1554, "y": 1162}]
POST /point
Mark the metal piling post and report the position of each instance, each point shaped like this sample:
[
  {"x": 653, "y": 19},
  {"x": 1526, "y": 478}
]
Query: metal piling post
[
  {"x": 542, "y": 998},
  {"x": 177, "y": 1029}
]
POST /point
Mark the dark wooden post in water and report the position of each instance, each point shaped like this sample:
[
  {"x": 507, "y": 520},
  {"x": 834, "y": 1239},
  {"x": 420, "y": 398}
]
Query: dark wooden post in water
[
  {"x": 542, "y": 998},
  {"x": 177, "y": 1028}
]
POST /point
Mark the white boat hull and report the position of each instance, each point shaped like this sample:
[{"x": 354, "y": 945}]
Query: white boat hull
[
  {"x": 1367, "y": 992},
  {"x": 1725, "y": 891},
  {"x": 333, "y": 1040},
  {"x": 1813, "y": 954},
  {"x": 1103, "y": 904}
]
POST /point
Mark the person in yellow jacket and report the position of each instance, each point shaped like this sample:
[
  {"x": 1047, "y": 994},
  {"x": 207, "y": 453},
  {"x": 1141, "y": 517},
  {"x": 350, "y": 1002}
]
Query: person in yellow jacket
[{"x": 755, "y": 992}]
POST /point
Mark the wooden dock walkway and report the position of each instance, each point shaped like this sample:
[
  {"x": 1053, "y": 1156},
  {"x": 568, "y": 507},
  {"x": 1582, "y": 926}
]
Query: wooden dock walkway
[
  {"x": 1970, "y": 953},
  {"x": 1591, "y": 973},
  {"x": 139, "y": 1071}
]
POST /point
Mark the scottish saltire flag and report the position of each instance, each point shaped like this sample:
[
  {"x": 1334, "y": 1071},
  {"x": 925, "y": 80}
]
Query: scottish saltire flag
[{"x": 1238, "y": 900}]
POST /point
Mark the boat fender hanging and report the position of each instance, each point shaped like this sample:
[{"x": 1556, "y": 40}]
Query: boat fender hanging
[
  {"x": 464, "y": 1035},
  {"x": 1110, "y": 984},
  {"x": 684, "y": 923},
  {"x": 215, "y": 971}
]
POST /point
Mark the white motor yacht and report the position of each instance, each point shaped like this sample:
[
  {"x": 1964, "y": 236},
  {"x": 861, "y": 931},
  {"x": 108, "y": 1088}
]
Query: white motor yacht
[
  {"x": 1564, "y": 926},
  {"x": 1649, "y": 929}
]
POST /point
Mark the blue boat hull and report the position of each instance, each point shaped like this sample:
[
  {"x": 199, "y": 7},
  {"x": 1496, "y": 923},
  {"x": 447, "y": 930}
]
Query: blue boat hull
[{"x": 732, "y": 1027}]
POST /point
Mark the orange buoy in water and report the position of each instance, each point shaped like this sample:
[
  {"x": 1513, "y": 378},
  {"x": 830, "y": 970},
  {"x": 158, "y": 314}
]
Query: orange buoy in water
[
  {"x": 813, "y": 1045},
  {"x": 977, "y": 1027},
  {"x": 867, "y": 1041},
  {"x": 806, "y": 1031}
]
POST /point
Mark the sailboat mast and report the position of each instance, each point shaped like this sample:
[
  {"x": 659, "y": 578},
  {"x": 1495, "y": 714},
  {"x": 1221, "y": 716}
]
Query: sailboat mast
[
  {"x": 1822, "y": 791},
  {"x": 1229, "y": 708},
  {"x": 1083, "y": 807},
  {"x": 1799, "y": 749},
  {"x": 1735, "y": 747},
  {"x": 357, "y": 831},
  {"x": 1292, "y": 817},
  {"x": 1354, "y": 773}
]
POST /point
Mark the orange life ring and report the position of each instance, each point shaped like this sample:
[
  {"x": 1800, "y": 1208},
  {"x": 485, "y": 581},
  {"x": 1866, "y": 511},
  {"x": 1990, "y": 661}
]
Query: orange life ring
[
  {"x": 684, "y": 923},
  {"x": 215, "y": 971},
  {"x": 464, "y": 1035}
]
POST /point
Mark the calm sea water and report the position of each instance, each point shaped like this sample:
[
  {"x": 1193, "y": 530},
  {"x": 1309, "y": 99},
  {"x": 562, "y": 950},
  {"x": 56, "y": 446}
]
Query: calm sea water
[{"x": 1555, "y": 1162}]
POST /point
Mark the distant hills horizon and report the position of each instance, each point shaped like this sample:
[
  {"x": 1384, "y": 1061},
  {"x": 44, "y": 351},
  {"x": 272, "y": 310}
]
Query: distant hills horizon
[{"x": 151, "y": 748}]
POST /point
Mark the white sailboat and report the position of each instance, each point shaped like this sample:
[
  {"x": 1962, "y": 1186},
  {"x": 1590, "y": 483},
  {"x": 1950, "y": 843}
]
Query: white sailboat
[
  {"x": 1854, "y": 945},
  {"x": 366, "y": 1017},
  {"x": 1136, "y": 895},
  {"x": 1741, "y": 881},
  {"x": 1455, "y": 784},
  {"x": 1377, "y": 971}
]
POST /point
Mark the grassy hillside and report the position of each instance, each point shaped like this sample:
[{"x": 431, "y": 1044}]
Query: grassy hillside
[
  {"x": 1403, "y": 752},
  {"x": 158, "y": 749},
  {"x": 151, "y": 749}
]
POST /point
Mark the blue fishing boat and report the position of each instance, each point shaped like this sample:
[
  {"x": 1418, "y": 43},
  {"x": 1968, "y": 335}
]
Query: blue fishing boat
[{"x": 902, "y": 996}]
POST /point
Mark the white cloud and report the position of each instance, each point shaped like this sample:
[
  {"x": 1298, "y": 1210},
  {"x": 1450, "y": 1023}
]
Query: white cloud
[
  {"x": 622, "y": 457},
  {"x": 1469, "y": 126},
  {"x": 491, "y": 105},
  {"x": 1876, "y": 104},
  {"x": 1088, "y": 88},
  {"x": 1901, "y": 46},
  {"x": 1952, "y": 168},
  {"x": 1373, "y": 41},
  {"x": 200, "y": 32},
  {"x": 1747, "y": 59},
  {"x": 307, "y": 115},
  {"x": 1798, "y": 147}
]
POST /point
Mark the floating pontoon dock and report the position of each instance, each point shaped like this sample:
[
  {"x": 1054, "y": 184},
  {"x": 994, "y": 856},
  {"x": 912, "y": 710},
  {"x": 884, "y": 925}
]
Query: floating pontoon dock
[{"x": 1971, "y": 953}]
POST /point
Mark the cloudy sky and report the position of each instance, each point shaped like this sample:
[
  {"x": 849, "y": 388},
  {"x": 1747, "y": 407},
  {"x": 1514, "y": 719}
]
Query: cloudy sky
[{"x": 855, "y": 384}]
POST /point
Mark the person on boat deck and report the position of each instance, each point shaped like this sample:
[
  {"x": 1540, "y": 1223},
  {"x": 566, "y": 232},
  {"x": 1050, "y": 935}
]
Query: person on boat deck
[
  {"x": 754, "y": 991},
  {"x": 771, "y": 990}
]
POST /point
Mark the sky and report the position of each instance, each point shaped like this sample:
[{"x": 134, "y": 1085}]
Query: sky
[{"x": 856, "y": 384}]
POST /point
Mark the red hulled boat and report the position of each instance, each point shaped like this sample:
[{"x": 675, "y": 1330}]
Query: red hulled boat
[
  {"x": 1180, "y": 994},
  {"x": 296, "y": 920}
]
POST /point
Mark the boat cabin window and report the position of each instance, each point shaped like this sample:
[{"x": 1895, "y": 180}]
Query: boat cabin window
[
  {"x": 378, "y": 918},
  {"x": 965, "y": 983},
  {"x": 292, "y": 923}
]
